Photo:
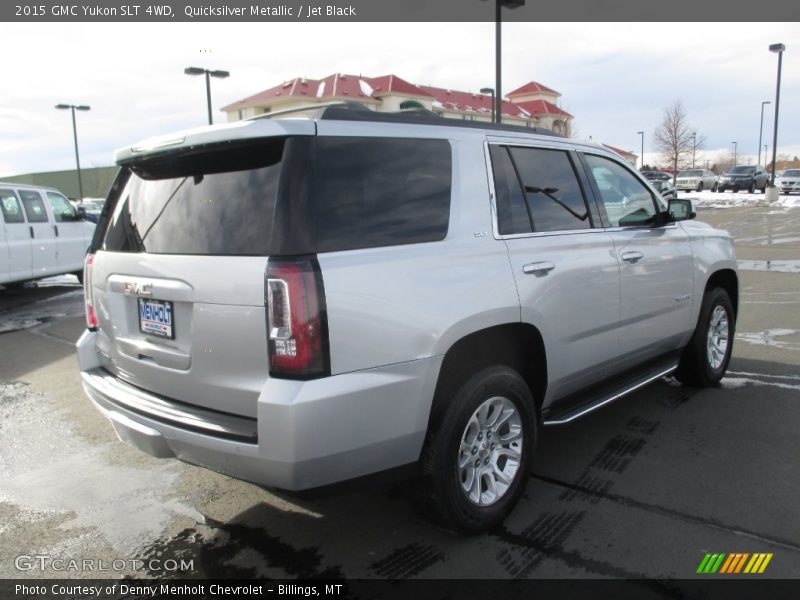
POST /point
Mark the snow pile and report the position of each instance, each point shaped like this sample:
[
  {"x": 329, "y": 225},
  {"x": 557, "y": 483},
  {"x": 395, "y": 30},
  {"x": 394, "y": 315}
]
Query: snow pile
[{"x": 709, "y": 199}]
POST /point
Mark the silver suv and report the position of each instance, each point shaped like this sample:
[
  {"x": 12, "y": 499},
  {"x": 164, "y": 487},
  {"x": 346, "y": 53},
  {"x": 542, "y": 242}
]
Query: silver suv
[{"x": 302, "y": 301}]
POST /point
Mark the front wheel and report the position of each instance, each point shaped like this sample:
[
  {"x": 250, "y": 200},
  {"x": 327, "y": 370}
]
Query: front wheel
[
  {"x": 476, "y": 458},
  {"x": 752, "y": 188},
  {"x": 705, "y": 359},
  {"x": 700, "y": 187}
]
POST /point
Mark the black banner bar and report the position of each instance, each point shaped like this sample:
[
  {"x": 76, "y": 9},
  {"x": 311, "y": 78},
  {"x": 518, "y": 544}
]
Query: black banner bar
[
  {"x": 712, "y": 587},
  {"x": 396, "y": 10}
]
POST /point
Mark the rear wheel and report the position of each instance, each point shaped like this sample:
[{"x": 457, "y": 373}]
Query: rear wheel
[
  {"x": 705, "y": 359},
  {"x": 475, "y": 460}
]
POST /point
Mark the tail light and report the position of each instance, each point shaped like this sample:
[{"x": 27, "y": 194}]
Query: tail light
[
  {"x": 88, "y": 293},
  {"x": 297, "y": 320}
]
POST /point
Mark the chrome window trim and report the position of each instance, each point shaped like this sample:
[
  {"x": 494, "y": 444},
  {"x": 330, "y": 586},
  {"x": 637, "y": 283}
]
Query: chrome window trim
[{"x": 563, "y": 146}]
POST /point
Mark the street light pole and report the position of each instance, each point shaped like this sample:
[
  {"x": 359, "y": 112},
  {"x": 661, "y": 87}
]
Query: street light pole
[
  {"x": 694, "y": 146},
  {"x": 761, "y": 131},
  {"x": 779, "y": 48},
  {"x": 73, "y": 108},
  {"x": 498, "y": 66},
  {"x": 498, "y": 94},
  {"x": 734, "y": 153},
  {"x": 209, "y": 74},
  {"x": 641, "y": 133}
]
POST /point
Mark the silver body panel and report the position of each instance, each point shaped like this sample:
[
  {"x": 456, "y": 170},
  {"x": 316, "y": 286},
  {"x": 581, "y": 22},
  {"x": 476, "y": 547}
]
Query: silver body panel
[{"x": 393, "y": 313}]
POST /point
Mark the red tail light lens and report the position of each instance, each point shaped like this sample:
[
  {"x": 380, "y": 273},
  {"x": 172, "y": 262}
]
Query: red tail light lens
[
  {"x": 88, "y": 293},
  {"x": 296, "y": 319}
]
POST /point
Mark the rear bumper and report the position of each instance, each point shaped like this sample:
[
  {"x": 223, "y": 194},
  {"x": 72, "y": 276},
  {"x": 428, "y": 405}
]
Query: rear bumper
[{"x": 306, "y": 433}]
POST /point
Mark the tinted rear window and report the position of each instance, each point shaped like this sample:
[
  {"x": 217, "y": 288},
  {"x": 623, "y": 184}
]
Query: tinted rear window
[
  {"x": 215, "y": 203},
  {"x": 370, "y": 192}
]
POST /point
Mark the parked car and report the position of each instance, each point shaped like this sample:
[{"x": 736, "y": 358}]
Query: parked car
[
  {"x": 302, "y": 301},
  {"x": 657, "y": 175},
  {"x": 744, "y": 177},
  {"x": 92, "y": 207},
  {"x": 788, "y": 181},
  {"x": 665, "y": 188},
  {"x": 42, "y": 234},
  {"x": 696, "y": 180}
]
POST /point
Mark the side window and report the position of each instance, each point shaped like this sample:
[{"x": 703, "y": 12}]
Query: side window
[
  {"x": 12, "y": 212},
  {"x": 626, "y": 199},
  {"x": 512, "y": 214},
  {"x": 537, "y": 190},
  {"x": 554, "y": 197},
  {"x": 62, "y": 209},
  {"x": 371, "y": 192},
  {"x": 34, "y": 207}
]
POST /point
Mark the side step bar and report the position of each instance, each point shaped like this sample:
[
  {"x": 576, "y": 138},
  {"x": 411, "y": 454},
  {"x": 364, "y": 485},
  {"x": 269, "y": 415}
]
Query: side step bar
[{"x": 580, "y": 404}]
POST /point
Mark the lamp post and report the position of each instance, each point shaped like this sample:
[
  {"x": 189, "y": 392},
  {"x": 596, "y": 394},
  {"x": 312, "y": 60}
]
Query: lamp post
[
  {"x": 694, "y": 146},
  {"x": 488, "y": 90},
  {"x": 641, "y": 133},
  {"x": 779, "y": 48},
  {"x": 209, "y": 74},
  {"x": 73, "y": 108},
  {"x": 761, "y": 131},
  {"x": 734, "y": 153},
  {"x": 498, "y": 97}
]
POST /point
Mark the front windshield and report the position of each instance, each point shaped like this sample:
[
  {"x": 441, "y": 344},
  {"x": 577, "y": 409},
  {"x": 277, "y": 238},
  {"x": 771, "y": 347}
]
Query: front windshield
[
  {"x": 694, "y": 173},
  {"x": 743, "y": 170},
  {"x": 791, "y": 173}
]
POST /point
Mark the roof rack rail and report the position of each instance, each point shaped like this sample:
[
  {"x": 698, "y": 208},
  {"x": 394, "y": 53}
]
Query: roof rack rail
[{"x": 355, "y": 111}]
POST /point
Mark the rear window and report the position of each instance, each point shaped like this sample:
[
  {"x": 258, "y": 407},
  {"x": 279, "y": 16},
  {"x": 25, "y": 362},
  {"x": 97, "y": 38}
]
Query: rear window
[
  {"x": 371, "y": 192},
  {"x": 285, "y": 196},
  {"x": 215, "y": 203}
]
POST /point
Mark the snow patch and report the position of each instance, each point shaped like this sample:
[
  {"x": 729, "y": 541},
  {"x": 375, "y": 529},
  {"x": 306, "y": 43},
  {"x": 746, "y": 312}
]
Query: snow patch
[
  {"x": 768, "y": 338},
  {"x": 321, "y": 89},
  {"x": 774, "y": 266}
]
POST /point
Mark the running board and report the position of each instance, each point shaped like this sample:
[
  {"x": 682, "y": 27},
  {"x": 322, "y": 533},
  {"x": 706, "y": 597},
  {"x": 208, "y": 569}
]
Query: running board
[{"x": 582, "y": 403}]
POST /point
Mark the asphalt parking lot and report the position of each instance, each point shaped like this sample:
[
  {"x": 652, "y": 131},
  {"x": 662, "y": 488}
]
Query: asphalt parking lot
[{"x": 644, "y": 488}]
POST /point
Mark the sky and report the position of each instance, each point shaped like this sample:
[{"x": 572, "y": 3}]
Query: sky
[{"x": 616, "y": 79}]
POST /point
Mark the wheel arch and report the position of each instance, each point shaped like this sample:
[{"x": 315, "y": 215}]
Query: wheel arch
[
  {"x": 517, "y": 345},
  {"x": 728, "y": 280}
]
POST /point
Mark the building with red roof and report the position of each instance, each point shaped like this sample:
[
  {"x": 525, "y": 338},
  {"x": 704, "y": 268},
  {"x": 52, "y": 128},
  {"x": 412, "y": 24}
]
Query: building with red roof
[{"x": 532, "y": 105}]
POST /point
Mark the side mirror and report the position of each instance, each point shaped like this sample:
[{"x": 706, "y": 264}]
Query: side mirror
[
  {"x": 680, "y": 209},
  {"x": 81, "y": 213}
]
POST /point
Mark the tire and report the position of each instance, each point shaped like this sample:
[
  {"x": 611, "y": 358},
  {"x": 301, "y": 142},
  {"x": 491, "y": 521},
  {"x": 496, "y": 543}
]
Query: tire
[
  {"x": 715, "y": 188},
  {"x": 79, "y": 275},
  {"x": 700, "y": 187},
  {"x": 752, "y": 188},
  {"x": 705, "y": 359},
  {"x": 464, "y": 498}
]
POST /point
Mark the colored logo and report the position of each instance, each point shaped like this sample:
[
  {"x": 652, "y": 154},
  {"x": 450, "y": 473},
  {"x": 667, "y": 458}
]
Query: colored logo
[{"x": 742, "y": 562}]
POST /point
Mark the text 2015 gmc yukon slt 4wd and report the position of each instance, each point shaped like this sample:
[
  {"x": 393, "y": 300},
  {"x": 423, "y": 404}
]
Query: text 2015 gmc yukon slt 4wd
[{"x": 302, "y": 301}]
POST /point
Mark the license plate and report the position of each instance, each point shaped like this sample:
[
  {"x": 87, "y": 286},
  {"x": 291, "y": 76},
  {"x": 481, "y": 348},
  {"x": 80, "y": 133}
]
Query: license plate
[{"x": 156, "y": 317}]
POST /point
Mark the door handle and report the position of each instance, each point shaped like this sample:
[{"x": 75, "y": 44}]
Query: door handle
[
  {"x": 30, "y": 228},
  {"x": 55, "y": 228},
  {"x": 632, "y": 256},
  {"x": 538, "y": 268}
]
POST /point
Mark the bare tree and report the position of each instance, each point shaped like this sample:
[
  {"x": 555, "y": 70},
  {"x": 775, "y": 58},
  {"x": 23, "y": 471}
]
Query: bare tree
[{"x": 675, "y": 138}]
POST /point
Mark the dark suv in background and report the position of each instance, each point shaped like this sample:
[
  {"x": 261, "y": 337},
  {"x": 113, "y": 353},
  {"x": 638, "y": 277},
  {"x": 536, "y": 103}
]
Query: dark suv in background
[{"x": 744, "y": 177}]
